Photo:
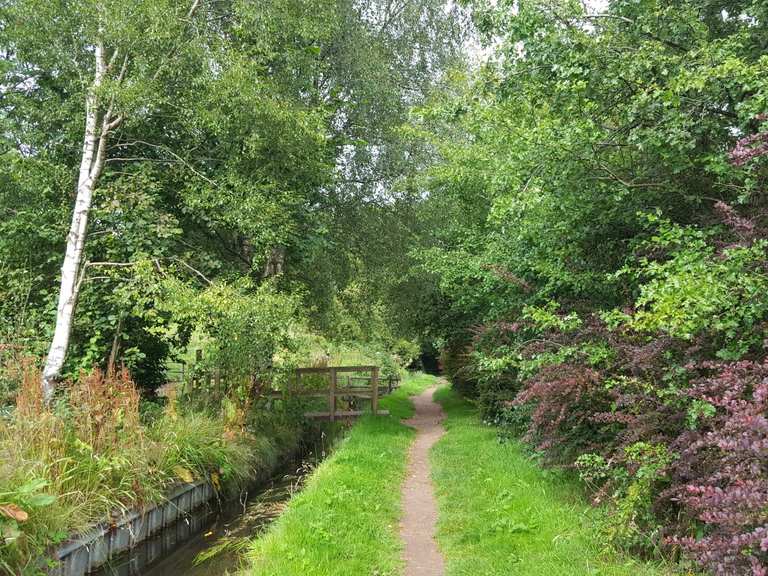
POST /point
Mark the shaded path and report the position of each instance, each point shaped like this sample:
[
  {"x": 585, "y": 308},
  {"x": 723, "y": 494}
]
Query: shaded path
[{"x": 417, "y": 529}]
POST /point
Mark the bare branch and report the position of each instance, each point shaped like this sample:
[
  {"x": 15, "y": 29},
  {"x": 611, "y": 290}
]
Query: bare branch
[
  {"x": 110, "y": 264},
  {"x": 193, "y": 9},
  {"x": 115, "y": 123},
  {"x": 609, "y": 16},
  {"x": 113, "y": 58},
  {"x": 123, "y": 68},
  {"x": 195, "y": 270},
  {"x": 172, "y": 153}
]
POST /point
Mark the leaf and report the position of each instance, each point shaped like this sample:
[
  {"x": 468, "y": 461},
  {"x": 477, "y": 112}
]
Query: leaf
[
  {"x": 13, "y": 512},
  {"x": 184, "y": 474},
  {"x": 59, "y": 536},
  {"x": 32, "y": 486},
  {"x": 40, "y": 500}
]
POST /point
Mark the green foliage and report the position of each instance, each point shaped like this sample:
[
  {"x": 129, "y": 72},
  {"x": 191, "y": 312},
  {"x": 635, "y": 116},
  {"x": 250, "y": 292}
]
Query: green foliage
[
  {"x": 295, "y": 182},
  {"x": 698, "y": 290},
  {"x": 253, "y": 203},
  {"x": 76, "y": 465},
  {"x": 545, "y": 318},
  {"x": 16, "y": 507},
  {"x": 593, "y": 469},
  {"x": 201, "y": 445},
  {"x": 589, "y": 236},
  {"x": 698, "y": 412},
  {"x": 257, "y": 140},
  {"x": 632, "y": 523},
  {"x": 244, "y": 327},
  {"x": 577, "y": 125},
  {"x": 405, "y": 351}
]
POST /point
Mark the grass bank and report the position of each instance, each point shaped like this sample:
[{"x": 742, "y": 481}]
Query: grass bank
[
  {"x": 503, "y": 515},
  {"x": 65, "y": 468},
  {"x": 345, "y": 521}
]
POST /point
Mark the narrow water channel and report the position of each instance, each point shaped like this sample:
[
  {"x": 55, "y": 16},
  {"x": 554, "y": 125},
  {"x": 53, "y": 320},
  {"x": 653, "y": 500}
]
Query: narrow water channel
[{"x": 211, "y": 542}]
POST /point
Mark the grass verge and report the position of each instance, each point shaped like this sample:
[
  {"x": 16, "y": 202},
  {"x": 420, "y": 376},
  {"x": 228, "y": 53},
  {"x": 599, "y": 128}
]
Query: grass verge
[
  {"x": 503, "y": 515},
  {"x": 345, "y": 520}
]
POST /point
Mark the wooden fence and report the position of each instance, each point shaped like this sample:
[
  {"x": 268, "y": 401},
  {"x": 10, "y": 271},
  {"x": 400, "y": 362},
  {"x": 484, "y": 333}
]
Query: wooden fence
[
  {"x": 346, "y": 385},
  {"x": 368, "y": 387}
]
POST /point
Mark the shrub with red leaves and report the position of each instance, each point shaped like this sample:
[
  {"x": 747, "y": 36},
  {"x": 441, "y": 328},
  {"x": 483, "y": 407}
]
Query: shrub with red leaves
[
  {"x": 710, "y": 500},
  {"x": 565, "y": 399},
  {"x": 578, "y": 407},
  {"x": 721, "y": 476},
  {"x": 750, "y": 147}
]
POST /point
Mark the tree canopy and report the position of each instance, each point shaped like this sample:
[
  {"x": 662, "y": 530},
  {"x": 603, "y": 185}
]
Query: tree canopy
[{"x": 252, "y": 138}]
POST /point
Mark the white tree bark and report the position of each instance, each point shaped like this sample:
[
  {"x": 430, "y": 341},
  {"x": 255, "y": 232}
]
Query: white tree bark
[
  {"x": 91, "y": 166},
  {"x": 99, "y": 123}
]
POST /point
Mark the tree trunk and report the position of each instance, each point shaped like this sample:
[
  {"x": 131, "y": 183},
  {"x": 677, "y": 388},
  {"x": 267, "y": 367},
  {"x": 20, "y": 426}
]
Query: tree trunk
[
  {"x": 98, "y": 126},
  {"x": 275, "y": 263},
  {"x": 91, "y": 165}
]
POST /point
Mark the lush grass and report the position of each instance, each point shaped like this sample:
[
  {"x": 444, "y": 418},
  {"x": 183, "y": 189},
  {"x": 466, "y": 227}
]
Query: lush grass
[
  {"x": 345, "y": 520},
  {"x": 503, "y": 515},
  {"x": 398, "y": 403},
  {"x": 66, "y": 468}
]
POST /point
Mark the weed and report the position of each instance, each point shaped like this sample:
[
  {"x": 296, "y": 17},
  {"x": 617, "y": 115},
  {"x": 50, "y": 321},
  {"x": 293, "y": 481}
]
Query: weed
[{"x": 90, "y": 456}]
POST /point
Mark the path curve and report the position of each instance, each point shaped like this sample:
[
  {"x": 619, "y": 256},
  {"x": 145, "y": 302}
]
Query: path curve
[{"x": 421, "y": 554}]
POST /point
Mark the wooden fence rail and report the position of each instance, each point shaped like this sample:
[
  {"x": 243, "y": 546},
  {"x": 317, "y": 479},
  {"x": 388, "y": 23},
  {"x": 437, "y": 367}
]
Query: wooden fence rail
[{"x": 334, "y": 392}]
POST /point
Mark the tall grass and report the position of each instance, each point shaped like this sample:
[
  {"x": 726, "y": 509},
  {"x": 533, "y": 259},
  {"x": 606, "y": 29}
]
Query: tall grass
[{"x": 91, "y": 456}]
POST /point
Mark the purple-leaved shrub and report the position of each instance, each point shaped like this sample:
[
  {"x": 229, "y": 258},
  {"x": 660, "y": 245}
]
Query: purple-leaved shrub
[{"x": 721, "y": 476}]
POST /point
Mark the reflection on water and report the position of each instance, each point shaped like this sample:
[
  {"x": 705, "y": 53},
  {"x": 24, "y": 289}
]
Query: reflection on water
[{"x": 211, "y": 541}]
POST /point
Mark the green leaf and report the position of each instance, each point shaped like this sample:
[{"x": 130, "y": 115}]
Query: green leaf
[{"x": 40, "y": 500}]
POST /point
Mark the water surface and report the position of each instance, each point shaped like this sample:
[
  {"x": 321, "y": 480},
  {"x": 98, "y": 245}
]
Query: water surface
[{"x": 212, "y": 540}]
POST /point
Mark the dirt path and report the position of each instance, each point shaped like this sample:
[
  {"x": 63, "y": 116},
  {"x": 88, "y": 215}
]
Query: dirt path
[{"x": 417, "y": 529}]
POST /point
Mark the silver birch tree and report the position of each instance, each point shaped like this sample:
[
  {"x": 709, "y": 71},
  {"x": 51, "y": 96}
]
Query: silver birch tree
[{"x": 101, "y": 120}]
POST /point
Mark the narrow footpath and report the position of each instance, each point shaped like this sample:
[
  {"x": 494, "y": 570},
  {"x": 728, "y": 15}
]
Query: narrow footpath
[{"x": 418, "y": 527}]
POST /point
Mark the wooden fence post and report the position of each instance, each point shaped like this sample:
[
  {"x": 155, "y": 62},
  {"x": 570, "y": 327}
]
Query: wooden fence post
[
  {"x": 181, "y": 389},
  {"x": 332, "y": 395},
  {"x": 375, "y": 390}
]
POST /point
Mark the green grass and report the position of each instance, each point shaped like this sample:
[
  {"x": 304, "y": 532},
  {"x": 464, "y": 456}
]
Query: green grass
[
  {"x": 345, "y": 521},
  {"x": 398, "y": 403},
  {"x": 503, "y": 515}
]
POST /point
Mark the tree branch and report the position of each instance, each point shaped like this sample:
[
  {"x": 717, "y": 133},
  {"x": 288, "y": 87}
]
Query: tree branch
[
  {"x": 195, "y": 270},
  {"x": 168, "y": 151},
  {"x": 191, "y": 12}
]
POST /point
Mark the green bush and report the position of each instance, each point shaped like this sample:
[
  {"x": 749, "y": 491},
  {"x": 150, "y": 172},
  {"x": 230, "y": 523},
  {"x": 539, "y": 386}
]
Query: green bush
[{"x": 635, "y": 483}]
